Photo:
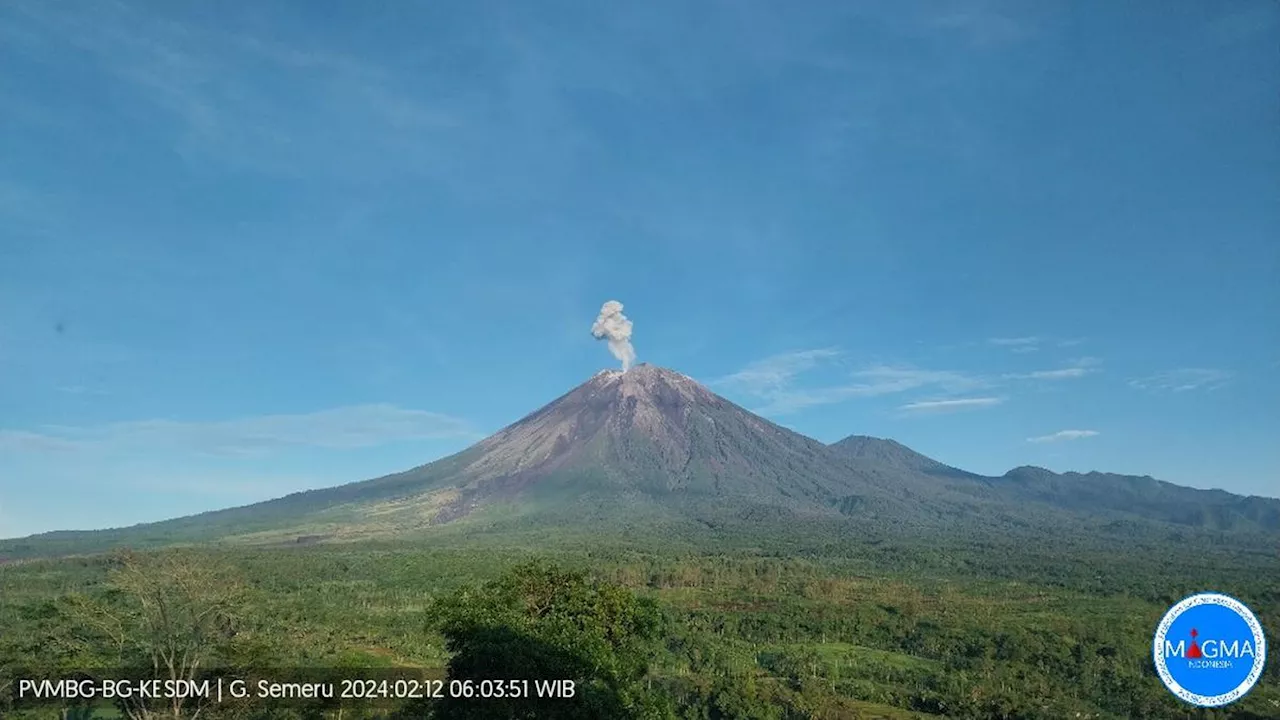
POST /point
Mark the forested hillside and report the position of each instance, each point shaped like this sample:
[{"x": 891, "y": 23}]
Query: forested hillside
[{"x": 885, "y": 631}]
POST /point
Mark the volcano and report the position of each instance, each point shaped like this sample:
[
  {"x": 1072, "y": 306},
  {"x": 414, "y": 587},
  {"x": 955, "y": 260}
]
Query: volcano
[
  {"x": 645, "y": 443},
  {"x": 652, "y": 451}
]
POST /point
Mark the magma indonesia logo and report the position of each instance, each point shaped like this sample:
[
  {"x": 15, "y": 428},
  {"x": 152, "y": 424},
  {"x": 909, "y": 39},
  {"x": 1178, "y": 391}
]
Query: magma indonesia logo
[{"x": 1209, "y": 650}]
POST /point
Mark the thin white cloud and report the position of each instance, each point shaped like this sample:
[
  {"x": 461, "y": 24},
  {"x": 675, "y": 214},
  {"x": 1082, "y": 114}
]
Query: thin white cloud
[
  {"x": 344, "y": 428},
  {"x": 773, "y": 379},
  {"x": 896, "y": 379},
  {"x": 1060, "y": 374},
  {"x": 775, "y": 371},
  {"x": 981, "y": 23},
  {"x": 234, "y": 485},
  {"x": 1064, "y": 435},
  {"x": 940, "y": 406},
  {"x": 1183, "y": 380},
  {"x": 1033, "y": 343},
  {"x": 1077, "y": 369},
  {"x": 307, "y": 113},
  {"x": 24, "y": 441},
  {"x": 1021, "y": 346},
  {"x": 1015, "y": 342}
]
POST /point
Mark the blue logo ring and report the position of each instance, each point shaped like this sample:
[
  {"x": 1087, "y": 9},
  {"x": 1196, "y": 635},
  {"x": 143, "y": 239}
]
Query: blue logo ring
[{"x": 1215, "y": 675}]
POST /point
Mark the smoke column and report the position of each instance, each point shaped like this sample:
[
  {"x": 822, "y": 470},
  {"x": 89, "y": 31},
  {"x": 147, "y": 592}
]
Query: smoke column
[{"x": 613, "y": 326}]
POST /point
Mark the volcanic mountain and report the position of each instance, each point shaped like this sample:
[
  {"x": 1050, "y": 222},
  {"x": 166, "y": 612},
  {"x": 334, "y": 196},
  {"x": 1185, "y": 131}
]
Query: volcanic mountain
[
  {"x": 652, "y": 451},
  {"x": 641, "y": 444}
]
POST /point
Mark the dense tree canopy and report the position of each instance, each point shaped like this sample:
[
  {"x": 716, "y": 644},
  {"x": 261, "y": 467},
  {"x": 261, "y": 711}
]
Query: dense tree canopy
[
  {"x": 542, "y": 622},
  {"x": 874, "y": 631}
]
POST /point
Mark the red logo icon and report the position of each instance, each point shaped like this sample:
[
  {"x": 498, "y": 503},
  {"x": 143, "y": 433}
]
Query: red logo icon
[{"x": 1193, "y": 652}]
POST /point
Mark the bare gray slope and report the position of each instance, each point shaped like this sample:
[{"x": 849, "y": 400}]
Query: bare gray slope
[{"x": 655, "y": 434}]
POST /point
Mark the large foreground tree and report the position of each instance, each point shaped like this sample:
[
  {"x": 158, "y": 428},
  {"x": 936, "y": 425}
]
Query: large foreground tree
[
  {"x": 166, "y": 616},
  {"x": 541, "y": 622}
]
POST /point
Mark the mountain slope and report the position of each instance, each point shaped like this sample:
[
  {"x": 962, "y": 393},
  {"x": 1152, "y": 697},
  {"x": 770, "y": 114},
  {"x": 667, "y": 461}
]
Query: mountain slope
[
  {"x": 1098, "y": 493},
  {"x": 891, "y": 454},
  {"x": 649, "y": 434},
  {"x": 651, "y": 451},
  {"x": 649, "y": 446}
]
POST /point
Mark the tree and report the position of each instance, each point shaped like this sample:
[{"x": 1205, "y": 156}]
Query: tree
[
  {"x": 541, "y": 622},
  {"x": 169, "y": 615}
]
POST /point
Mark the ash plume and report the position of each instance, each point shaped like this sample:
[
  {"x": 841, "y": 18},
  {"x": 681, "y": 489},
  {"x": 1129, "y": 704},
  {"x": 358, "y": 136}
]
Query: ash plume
[{"x": 613, "y": 326}]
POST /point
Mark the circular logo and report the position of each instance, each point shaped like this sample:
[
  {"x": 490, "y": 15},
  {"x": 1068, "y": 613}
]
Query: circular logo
[{"x": 1209, "y": 649}]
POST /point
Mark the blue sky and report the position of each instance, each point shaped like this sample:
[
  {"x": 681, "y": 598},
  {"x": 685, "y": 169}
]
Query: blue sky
[{"x": 294, "y": 244}]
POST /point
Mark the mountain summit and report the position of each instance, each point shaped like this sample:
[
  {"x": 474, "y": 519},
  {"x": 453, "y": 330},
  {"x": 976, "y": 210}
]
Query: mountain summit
[
  {"x": 893, "y": 454},
  {"x": 647, "y": 435}
]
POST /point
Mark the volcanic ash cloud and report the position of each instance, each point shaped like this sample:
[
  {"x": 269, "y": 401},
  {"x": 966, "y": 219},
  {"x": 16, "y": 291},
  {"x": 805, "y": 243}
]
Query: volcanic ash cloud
[{"x": 613, "y": 326}]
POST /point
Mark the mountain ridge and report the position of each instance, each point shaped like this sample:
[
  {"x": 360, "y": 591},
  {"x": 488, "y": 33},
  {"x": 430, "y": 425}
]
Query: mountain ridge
[{"x": 652, "y": 445}]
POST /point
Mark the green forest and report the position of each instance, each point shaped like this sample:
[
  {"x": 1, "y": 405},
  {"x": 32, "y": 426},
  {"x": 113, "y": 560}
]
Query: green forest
[{"x": 857, "y": 630}]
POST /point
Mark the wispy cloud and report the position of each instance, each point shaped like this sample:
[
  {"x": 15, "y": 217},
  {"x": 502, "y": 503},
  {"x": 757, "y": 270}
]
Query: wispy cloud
[
  {"x": 346, "y": 427},
  {"x": 942, "y": 406},
  {"x": 236, "y": 485},
  {"x": 981, "y": 23},
  {"x": 24, "y": 441},
  {"x": 898, "y": 379},
  {"x": 1032, "y": 343},
  {"x": 775, "y": 372},
  {"x": 1183, "y": 380},
  {"x": 1015, "y": 342},
  {"x": 1059, "y": 374},
  {"x": 778, "y": 381},
  {"x": 1077, "y": 369},
  {"x": 772, "y": 380},
  {"x": 1064, "y": 435},
  {"x": 292, "y": 111}
]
